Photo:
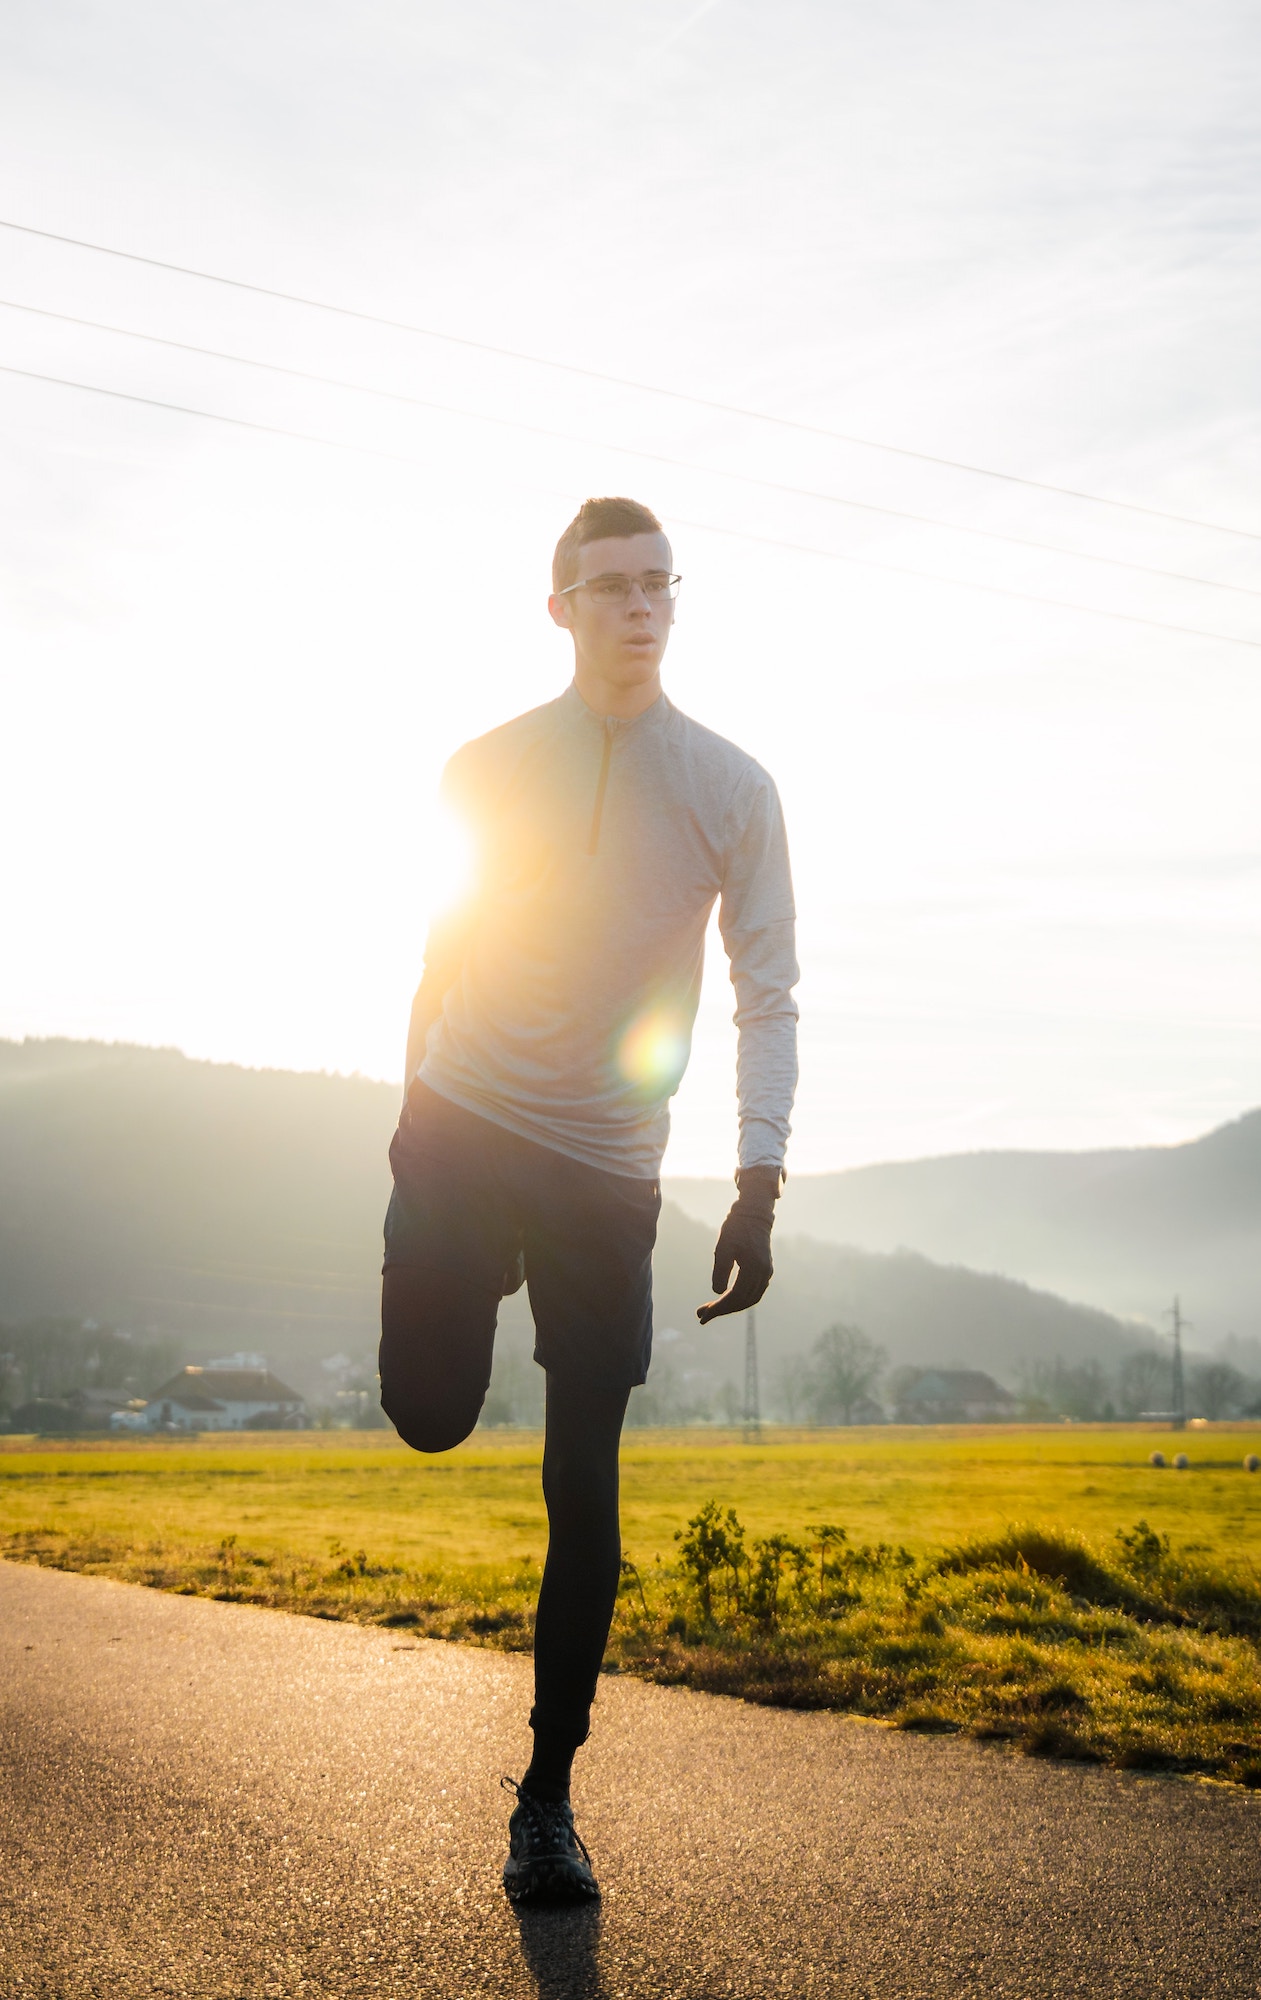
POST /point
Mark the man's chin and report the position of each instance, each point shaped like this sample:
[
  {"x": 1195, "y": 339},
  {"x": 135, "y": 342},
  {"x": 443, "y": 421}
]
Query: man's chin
[{"x": 637, "y": 664}]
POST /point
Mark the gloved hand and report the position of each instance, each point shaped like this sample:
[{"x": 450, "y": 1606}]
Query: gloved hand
[{"x": 745, "y": 1240}]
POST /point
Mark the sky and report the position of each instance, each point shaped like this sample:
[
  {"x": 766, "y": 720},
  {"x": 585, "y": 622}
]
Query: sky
[{"x": 1020, "y": 784}]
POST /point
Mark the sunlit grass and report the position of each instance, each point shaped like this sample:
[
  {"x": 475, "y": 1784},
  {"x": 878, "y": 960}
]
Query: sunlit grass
[{"x": 1076, "y": 1633}]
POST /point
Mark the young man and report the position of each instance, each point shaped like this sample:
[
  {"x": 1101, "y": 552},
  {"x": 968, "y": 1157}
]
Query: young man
[{"x": 551, "y": 1028}]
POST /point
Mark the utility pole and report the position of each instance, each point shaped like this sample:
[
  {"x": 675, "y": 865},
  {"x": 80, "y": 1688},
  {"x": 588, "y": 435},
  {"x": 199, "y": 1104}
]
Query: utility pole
[
  {"x": 752, "y": 1405},
  {"x": 1179, "y": 1385}
]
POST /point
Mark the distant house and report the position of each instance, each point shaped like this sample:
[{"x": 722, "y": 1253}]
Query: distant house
[
  {"x": 219, "y": 1399},
  {"x": 953, "y": 1396}
]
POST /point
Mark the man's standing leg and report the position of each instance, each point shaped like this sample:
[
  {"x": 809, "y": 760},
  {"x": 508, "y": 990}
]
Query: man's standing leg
[
  {"x": 547, "y": 1862},
  {"x": 589, "y": 1238},
  {"x": 580, "y": 1579}
]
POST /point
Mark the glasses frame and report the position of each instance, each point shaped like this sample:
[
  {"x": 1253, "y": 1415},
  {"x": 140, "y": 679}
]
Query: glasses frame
[{"x": 609, "y": 575}]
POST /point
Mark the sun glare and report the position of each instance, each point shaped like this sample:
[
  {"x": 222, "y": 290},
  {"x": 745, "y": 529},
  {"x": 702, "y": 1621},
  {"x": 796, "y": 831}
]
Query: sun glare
[{"x": 447, "y": 863}]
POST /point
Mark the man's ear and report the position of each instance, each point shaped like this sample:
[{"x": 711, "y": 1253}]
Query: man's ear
[{"x": 562, "y": 611}]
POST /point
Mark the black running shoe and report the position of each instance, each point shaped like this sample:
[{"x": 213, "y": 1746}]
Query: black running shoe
[{"x": 547, "y": 1862}]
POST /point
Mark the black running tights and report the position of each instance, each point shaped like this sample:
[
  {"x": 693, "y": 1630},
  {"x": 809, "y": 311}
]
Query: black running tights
[{"x": 432, "y": 1388}]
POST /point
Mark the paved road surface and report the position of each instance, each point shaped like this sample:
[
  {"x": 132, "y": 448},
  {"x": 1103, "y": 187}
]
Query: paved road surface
[{"x": 207, "y": 1800}]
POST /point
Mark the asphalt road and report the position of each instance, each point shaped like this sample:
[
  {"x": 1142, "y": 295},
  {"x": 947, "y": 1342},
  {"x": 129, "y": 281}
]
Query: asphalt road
[{"x": 204, "y": 1799}]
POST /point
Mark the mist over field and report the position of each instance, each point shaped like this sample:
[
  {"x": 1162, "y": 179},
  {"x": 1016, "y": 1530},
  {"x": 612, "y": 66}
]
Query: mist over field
[{"x": 217, "y": 1209}]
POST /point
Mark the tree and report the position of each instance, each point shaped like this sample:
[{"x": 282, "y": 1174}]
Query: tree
[
  {"x": 1143, "y": 1382},
  {"x": 846, "y": 1367},
  {"x": 794, "y": 1388},
  {"x": 1077, "y": 1389},
  {"x": 1216, "y": 1389}
]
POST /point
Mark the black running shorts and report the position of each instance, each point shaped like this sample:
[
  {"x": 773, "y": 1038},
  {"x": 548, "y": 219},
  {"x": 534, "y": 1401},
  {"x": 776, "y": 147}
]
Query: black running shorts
[{"x": 468, "y": 1195}]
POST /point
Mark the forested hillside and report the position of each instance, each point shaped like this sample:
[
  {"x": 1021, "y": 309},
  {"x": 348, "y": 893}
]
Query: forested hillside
[
  {"x": 1125, "y": 1230},
  {"x": 225, "y": 1209}
]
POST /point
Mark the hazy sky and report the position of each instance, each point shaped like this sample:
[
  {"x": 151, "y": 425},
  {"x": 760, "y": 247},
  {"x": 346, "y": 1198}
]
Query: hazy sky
[{"x": 1025, "y": 838}]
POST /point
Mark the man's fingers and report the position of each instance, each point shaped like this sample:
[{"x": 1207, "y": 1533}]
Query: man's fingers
[
  {"x": 716, "y": 1309},
  {"x": 724, "y": 1263},
  {"x": 749, "y": 1287},
  {"x": 724, "y": 1260}
]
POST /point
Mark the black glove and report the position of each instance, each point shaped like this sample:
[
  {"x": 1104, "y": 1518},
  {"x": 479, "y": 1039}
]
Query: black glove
[{"x": 745, "y": 1240}]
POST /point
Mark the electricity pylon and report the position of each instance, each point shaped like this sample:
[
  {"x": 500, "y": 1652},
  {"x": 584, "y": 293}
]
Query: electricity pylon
[
  {"x": 1179, "y": 1385},
  {"x": 752, "y": 1406}
]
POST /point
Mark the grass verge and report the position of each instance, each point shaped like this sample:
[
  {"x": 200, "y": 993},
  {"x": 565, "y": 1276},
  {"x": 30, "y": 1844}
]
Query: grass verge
[{"x": 1125, "y": 1651}]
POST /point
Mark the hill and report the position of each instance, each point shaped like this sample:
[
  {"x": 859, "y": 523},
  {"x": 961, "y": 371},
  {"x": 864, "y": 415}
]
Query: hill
[
  {"x": 1124, "y": 1229},
  {"x": 229, "y": 1209}
]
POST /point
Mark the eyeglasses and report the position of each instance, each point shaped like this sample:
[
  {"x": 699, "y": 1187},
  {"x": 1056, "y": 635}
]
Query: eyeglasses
[{"x": 613, "y": 588}]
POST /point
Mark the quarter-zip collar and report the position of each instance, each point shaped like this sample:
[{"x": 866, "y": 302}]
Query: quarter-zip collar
[
  {"x": 609, "y": 726},
  {"x": 580, "y": 710}
]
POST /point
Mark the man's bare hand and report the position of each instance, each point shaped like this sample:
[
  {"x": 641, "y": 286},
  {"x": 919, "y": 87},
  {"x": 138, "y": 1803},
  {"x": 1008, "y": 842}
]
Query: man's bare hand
[{"x": 744, "y": 1242}]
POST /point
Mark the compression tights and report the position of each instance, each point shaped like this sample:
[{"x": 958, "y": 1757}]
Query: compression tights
[
  {"x": 435, "y": 1365},
  {"x": 580, "y": 1578}
]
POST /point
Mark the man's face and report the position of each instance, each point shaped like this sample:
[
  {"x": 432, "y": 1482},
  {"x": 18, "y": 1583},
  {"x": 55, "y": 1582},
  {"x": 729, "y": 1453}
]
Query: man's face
[{"x": 621, "y": 642}]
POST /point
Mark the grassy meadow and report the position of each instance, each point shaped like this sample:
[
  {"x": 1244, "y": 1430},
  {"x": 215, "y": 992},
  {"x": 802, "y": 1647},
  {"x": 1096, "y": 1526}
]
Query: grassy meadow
[{"x": 1043, "y": 1585}]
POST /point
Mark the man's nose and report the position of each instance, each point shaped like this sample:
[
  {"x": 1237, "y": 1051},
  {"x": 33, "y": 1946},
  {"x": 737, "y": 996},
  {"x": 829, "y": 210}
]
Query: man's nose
[{"x": 640, "y": 602}]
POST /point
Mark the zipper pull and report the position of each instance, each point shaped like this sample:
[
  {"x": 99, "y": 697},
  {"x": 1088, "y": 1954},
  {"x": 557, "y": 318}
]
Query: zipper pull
[{"x": 602, "y": 783}]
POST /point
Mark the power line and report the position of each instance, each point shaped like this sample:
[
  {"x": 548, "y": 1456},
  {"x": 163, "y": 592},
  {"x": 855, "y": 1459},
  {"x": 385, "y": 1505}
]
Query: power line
[
  {"x": 630, "y": 451},
  {"x": 965, "y": 583},
  {"x": 707, "y": 527},
  {"x": 627, "y": 382}
]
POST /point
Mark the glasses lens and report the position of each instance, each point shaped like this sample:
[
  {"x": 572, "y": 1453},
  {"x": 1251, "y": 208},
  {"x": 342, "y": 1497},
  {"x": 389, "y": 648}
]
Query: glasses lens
[{"x": 615, "y": 589}]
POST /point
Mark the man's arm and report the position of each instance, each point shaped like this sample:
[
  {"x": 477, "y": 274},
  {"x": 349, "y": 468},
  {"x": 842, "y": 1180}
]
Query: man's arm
[
  {"x": 450, "y": 933},
  {"x": 444, "y": 956},
  {"x": 758, "y": 921}
]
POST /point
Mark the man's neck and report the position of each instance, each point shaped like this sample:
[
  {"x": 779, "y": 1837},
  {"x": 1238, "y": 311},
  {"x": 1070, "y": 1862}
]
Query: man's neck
[{"x": 606, "y": 698}]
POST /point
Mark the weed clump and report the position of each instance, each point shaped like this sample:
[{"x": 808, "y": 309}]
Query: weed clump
[{"x": 1130, "y": 1653}]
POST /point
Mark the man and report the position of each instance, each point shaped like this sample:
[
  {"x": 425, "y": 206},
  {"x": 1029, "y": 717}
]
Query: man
[{"x": 550, "y": 1030}]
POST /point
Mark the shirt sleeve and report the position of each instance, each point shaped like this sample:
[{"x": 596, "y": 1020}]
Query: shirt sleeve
[
  {"x": 757, "y": 918},
  {"x": 451, "y": 930}
]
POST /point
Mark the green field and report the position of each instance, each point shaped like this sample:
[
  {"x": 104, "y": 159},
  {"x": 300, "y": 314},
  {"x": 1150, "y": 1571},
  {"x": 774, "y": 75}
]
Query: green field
[{"x": 990, "y": 1579}]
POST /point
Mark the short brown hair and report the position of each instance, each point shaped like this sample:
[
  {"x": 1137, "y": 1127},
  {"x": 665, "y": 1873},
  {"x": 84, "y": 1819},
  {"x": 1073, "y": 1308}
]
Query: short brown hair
[{"x": 594, "y": 520}]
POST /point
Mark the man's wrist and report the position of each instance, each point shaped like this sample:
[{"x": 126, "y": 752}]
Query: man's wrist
[{"x": 759, "y": 1187}]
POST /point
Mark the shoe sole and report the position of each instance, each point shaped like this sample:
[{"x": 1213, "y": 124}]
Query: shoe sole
[{"x": 549, "y": 1883}]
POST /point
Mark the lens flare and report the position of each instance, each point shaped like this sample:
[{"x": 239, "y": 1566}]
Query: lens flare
[{"x": 652, "y": 1053}]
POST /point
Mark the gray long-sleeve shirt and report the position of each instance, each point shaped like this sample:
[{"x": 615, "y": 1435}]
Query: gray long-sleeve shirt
[{"x": 602, "y": 846}]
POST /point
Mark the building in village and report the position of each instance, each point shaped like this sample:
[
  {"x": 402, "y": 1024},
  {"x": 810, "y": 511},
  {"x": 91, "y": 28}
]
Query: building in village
[
  {"x": 222, "y": 1396},
  {"x": 952, "y": 1396}
]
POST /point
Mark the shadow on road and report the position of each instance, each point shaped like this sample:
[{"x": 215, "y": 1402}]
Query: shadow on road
[{"x": 560, "y": 1948}]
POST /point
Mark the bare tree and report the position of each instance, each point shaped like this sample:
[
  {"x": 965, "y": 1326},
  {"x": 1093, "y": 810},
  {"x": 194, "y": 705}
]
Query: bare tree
[
  {"x": 1216, "y": 1389},
  {"x": 794, "y": 1388},
  {"x": 1143, "y": 1382},
  {"x": 847, "y": 1367}
]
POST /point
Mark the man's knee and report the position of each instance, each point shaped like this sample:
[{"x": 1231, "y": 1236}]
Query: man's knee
[
  {"x": 436, "y": 1346},
  {"x": 429, "y": 1423}
]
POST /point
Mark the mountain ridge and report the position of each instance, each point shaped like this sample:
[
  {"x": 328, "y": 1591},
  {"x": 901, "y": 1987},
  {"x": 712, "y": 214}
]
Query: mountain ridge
[
  {"x": 1124, "y": 1227},
  {"x": 237, "y": 1209}
]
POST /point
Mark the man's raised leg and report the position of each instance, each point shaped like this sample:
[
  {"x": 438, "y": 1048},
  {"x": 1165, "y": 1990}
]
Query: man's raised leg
[{"x": 449, "y": 1236}]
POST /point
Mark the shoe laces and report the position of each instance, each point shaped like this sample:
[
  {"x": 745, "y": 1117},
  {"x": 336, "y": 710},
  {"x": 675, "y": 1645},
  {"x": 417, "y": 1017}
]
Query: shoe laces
[{"x": 546, "y": 1816}]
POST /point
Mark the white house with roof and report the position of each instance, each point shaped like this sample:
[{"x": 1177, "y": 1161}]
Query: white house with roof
[{"x": 218, "y": 1398}]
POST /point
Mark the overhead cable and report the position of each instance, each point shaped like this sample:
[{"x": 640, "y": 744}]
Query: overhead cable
[
  {"x": 632, "y": 451},
  {"x": 627, "y": 382},
  {"x": 740, "y": 534}
]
